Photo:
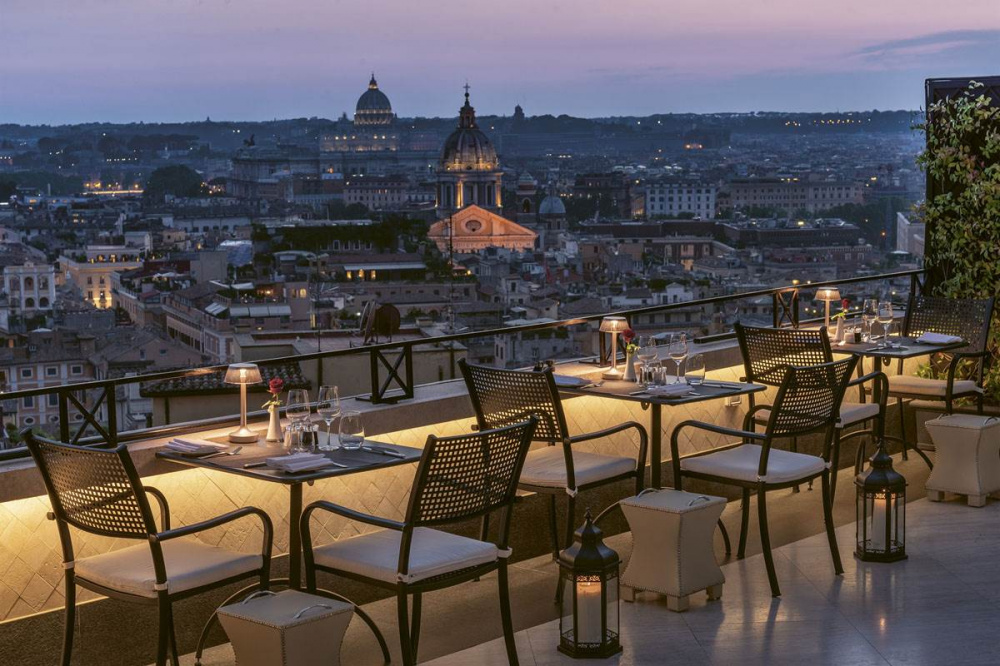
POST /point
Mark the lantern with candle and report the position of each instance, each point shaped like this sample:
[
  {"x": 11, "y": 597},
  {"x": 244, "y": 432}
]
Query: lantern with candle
[
  {"x": 881, "y": 511},
  {"x": 614, "y": 325},
  {"x": 588, "y": 621},
  {"x": 243, "y": 374}
]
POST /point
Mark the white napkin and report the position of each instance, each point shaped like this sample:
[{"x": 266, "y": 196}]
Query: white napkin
[
  {"x": 669, "y": 390},
  {"x": 194, "y": 446},
  {"x": 568, "y": 381},
  {"x": 299, "y": 462},
  {"x": 930, "y": 338}
]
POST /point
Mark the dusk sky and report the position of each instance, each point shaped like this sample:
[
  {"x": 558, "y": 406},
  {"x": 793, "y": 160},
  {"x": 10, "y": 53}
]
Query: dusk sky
[{"x": 172, "y": 60}]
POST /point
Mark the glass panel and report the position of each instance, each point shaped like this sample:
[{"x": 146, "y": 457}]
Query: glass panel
[
  {"x": 566, "y": 612},
  {"x": 612, "y": 607}
]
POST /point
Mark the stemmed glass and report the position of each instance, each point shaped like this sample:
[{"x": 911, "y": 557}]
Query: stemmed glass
[
  {"x": 869, "y": 313},
  {"x": 298, "y": 405},
  {"x": 678, "y": 351},
  {"x": 647, "y": 354},
  {"x": 328, "y": 407},
  {"x": 885, "y": 318}
]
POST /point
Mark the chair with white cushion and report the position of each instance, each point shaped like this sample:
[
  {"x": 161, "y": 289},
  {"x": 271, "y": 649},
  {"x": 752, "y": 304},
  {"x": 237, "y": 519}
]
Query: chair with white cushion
[
  {"x": 767, "y": 351},
  {"x": 963, "y": 368},
  {"x": 501, "y": 397},
  {"x": 807, "y": 402},
  {"x": 98, "y": 491},
  {"x": 458, "y": 479}
]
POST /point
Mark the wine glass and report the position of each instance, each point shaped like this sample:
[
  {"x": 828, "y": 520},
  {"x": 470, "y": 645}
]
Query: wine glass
[
  {"x": 869, "y": 313},
  {"x": 352, "y": 431},
  {"x": 678, "y": 351},
  {"x": 647, "y": 354},
  {"x": 298, "y": 405},
  {"x": 328, "y": 407},
  {"x": 885, "y": 318},
  {"x": 694, "y": 370}
]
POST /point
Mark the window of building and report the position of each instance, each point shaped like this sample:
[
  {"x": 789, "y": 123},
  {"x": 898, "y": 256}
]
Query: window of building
[
  {"x": 76, "y": 369},
  {"x": 52, "y": 400},
  {"x": 26, "y": 373},
  {"x": 51, "y": 372},
  {"x": 28, "y": 401},
  {"x": 28, "y": 420}
]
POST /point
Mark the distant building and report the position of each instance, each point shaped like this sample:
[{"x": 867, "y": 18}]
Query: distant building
[
  {"x": 792, "y": 195},
  {"x": 474, "y": 229},
  {"x": 468, "y": 172},
  {"x": 90, "y": 271},
  {"x": 910, "y": 235},
  {"x": 672, "y": 198},
  {"x": 615, "y": 188}
]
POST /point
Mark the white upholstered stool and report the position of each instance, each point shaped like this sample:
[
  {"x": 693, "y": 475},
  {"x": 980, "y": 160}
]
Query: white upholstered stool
[
  {"x": 672, "y": 552},
  {"x": 288, "y": 628},
  {"x": 967, "y": 461}
]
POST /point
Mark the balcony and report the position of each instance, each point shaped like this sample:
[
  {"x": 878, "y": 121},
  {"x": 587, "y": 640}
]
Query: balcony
[{"x": 407, "y": 389}]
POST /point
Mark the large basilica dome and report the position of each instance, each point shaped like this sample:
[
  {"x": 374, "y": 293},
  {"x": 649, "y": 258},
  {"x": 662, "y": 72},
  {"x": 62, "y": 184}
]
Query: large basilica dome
[
  {"x": 373, "y": 107},
  {"x": 468, "y": 148}
]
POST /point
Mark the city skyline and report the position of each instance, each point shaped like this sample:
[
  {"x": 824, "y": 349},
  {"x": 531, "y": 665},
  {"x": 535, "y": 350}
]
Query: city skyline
[{"x": 107, "y": 60}]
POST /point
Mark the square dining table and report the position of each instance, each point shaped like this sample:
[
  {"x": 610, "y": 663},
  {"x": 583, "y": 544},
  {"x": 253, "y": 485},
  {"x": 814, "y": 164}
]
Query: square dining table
[
  {"x": 623, "y": 390},
  {"x": 252, "y": 454}
]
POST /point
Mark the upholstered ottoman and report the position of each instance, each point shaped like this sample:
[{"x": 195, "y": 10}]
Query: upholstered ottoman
[
  {"x": 968, "y": 457},
  {"x": 672, "y": 552},
  {"x": 288, "y": 628}
]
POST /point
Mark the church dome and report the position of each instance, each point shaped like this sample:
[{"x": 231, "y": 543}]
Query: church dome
[
  {"x": 468, "y": 148},
  {"x": 373, "y": 107},
  {"x": 552, "y": 204}
]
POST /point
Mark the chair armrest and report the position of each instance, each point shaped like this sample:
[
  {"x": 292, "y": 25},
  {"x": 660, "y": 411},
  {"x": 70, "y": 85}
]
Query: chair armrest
[
  {"x": 161, "y": 500},
  {"x": 609, "y": 431},
  {"x": 350, "y": 513},
  {"x": 711, "y": 427},
  {"x": 194, "y": 528},
  {"x": 957, "y": 358}
]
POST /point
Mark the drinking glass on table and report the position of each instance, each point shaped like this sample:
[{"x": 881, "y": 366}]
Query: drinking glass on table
[
  {"x": 894, "y": 336},
  {"x": 647, "y": 354},
  {"x": 328, "y": 407},
  {"x": 885, "y": 318},
  {"x": 298, "y": 405},
  {"x": 869, "y": 313},
  {"x": 694, "y": 370},
  {"x": 678, "y": 351},
  {"x": 352, "y": 431}
]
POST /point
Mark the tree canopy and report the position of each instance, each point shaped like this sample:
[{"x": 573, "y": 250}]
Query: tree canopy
[{"x": 178, "y": 180}]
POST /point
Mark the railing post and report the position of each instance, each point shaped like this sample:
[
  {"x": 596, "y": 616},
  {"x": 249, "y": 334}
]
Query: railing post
[
  {"x": 63, "y": 416},
  {"x": 376, "y": 396},
  {"x": 111, "y": 402}
]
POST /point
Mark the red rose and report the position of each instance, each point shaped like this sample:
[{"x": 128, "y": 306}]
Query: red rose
[
  {"x": 275, "y": 385},
  {"x": 627, "y": 335},
  {"x": 844, "y": 304}
]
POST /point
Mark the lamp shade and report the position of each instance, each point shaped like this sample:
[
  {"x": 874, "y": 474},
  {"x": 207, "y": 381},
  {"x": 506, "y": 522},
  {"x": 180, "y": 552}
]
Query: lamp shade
[
  {"x": 242, "y": 373},
  {"x": 613, "y": 324},
  {"x": 828, "y": 294}
]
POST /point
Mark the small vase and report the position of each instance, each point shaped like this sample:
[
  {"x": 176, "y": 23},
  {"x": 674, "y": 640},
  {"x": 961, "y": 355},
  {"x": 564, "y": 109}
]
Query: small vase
[
  {"x": 274, "y": 425},
  {"x": 629, "y": 368},
  {"x": 839, "y": 335}
]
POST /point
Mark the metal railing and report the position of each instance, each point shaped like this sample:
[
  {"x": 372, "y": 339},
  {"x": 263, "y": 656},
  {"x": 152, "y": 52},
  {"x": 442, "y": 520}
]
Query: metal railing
[{"x": 398, "y": 383}]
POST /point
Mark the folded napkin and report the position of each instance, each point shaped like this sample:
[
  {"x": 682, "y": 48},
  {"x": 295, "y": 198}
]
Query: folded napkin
[
  {"x": 193, "y": 446},
  {"x": 568, "y": 381},
  {"x": 668, "y": 391},
  {"x": 930, "y": 338},
  {"x": 299, "y": 462}
]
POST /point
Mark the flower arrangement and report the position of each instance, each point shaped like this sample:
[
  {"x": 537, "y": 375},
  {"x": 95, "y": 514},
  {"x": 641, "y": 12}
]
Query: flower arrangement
[
  {"x": 274, "y": 387},
  {"x": 844, "y": 310},
  {"x": 631, "y": 347}
]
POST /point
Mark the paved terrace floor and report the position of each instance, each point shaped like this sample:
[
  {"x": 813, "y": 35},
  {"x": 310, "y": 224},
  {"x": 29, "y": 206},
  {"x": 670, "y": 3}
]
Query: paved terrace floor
[{"x": 941, "y": 606}]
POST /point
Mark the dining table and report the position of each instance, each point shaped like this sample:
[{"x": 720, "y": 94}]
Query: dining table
[{"x": 610, "y": 389}]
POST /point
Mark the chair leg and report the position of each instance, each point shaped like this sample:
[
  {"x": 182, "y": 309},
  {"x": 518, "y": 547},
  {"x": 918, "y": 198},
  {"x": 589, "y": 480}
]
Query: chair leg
[
  {"x": 831, "y": 535},
  {"x": 175, "y": 657},
  {"x": 505, "y": 616},
  {"x": 795, "y": 449},
  {"x": 835, "y": 463},
  {"x": 163, "y": 631},
  {"x": 70, "y": 619},
  {"x": 415, "y": 624},
  {"x": 570, "y": 524},
  {"x": 402, "y": 613},
  {"x": 725, "y": 538},
  {"x": 553, "y": 527},
  {"x": 765, "y": 543},
  {"x": 744, "y": 524},
  {"x": 484, "y": 528},
  {"x": 902, "y": 428}
]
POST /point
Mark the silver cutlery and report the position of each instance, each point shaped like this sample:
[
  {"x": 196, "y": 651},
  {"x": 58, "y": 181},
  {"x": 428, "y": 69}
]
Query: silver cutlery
[
  {"x": 223, "y": 453},
  {"x": 383, "y": 452}
]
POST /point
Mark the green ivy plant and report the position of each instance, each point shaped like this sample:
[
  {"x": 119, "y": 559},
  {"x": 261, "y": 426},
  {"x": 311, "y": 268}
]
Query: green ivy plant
[{"x": 962, "y": 158}]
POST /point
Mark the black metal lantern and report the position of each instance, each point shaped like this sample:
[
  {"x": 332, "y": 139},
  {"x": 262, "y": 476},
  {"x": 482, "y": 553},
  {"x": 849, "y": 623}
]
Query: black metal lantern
[
  {"x": 881, "y": 511},
  {"x": 588, "y": 621}
]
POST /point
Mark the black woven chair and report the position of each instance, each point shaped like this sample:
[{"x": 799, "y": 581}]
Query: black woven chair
[
  {"x": 98, "y": 491},
  {"x": 807, "y": 402},
  {"x": 458, "y": 479},
  {"x": 768, "y": 351},
  {"x": 501, "y": 397},
  {"x": 966, "y": 318}
]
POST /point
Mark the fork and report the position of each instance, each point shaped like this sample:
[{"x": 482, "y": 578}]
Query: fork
[{"x": 223, "y": 453}]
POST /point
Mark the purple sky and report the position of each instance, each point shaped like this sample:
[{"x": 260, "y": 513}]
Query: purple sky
[{"x": 161, "y": 60}]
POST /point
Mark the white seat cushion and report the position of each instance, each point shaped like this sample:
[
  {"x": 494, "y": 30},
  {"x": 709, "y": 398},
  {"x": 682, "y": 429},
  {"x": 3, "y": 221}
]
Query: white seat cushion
[
  {"x": 850, "y": 413},
  {"x": 932, "y": 388},
  {"x": 546, "y": 467},
  {"x": 189, "y": 562},
  {"x": 741, "y": 463},
  {"x": 432, "y": 553}
]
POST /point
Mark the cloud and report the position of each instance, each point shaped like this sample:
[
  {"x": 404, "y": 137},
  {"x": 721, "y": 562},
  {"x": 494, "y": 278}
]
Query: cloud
[{"x": 937, "y": 43}]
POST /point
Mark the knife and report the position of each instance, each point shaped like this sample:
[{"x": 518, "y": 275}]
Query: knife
[{"x": 384, "y": 452}]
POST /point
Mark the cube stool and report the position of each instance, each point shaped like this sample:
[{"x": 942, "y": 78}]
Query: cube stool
[
  {"x": 672, "y": 551},
  {"x": 967, "y": 461},
  {"x": 288, "y": 628}
]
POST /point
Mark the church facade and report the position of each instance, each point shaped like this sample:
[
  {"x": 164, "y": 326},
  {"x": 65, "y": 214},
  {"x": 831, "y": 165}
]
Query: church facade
[{"x": 473, "y": 229}]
